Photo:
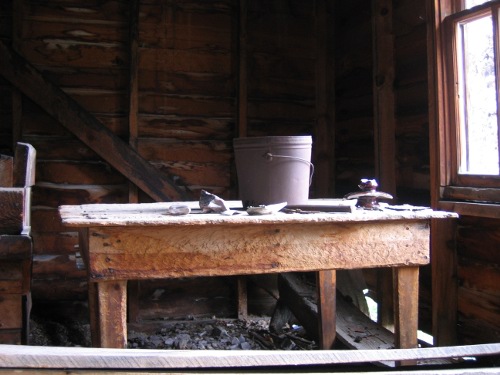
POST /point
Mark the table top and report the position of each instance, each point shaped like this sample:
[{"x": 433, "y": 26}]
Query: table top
[{"x": 156, "y": 214}]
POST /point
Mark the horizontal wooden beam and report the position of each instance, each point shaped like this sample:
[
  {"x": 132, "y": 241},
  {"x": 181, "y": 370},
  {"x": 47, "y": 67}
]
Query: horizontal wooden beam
[
  {"x": 43, "y": 357},
  {"x": 86, "y": 127}
]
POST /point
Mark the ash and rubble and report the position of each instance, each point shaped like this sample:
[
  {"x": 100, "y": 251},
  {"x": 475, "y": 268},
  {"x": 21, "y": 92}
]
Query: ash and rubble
[
  {"x": 204, "y": 334},
  {"x": 249, "y": 334}
]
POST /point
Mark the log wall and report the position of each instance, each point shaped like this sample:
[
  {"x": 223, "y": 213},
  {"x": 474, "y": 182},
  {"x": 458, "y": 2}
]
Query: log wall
[
  {"x": 179, "y": 79},
  {"x": 188, "y": 97},
  {"x": 478, "y": 275}
]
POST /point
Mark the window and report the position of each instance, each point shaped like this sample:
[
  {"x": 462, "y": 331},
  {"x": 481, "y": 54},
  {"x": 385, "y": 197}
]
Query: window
[
  {"x": 477, "y": 103},
  {"x": 470, "y": 133}
]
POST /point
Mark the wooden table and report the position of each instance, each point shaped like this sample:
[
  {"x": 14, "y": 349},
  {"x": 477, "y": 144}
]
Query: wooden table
[{"x": 123, "y": 242}]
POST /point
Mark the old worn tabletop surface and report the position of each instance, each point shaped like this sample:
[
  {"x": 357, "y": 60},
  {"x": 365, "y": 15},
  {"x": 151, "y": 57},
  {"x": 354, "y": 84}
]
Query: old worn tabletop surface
[
  {"x": 156, "y": 214},
  {"x": 123, "y": 242}
]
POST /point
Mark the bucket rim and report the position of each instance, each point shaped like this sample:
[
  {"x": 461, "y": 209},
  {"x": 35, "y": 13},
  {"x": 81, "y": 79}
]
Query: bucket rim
[{"x": 274, "y": 140}]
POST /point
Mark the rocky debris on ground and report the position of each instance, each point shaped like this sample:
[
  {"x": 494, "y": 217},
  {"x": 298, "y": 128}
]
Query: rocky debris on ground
[
  {"x": 222, "y": 335},
  {"x": 59, "y": 332},
  {"x": 207, "y": 334}
]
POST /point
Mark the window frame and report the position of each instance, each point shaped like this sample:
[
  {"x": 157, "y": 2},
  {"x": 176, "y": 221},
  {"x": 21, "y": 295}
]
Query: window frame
[{"x": 455, "y": 186}]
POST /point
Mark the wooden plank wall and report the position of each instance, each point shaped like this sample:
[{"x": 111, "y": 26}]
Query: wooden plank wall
[
  {"x": 6, "y": 94},
  {"x": 82, "y": 50},
  {"x": 412, "y": 111},
  {"x": 185, "y": 105},
  {"x": 354, "y": 108},
  {"x": 412, "y": 122},
  {"x": 354, "y": 142},
  {"x": 281, "y": 62},
  {"x": 208, "y": 71},
  {"x": 478, "y": 276}
]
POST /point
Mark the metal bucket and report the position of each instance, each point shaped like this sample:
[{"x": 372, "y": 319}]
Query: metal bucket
[{"x": 273, "y": 169}]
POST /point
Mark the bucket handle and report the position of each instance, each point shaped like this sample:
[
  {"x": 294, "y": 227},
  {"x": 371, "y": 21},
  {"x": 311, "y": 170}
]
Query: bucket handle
[{"x": 269, "y": 156}]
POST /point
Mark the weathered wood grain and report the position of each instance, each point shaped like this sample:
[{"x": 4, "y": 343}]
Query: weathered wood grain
[
  {"x": 56, "y": 267},
  {"x": 181, "y": 251},
  {"x": 187, "y": 83},
  {"x": 327, "y": 287},
  {"x": 479, "y": 276},
  {"x": 383, "y": 96},
  {"x": 106, "y": 12},
  {"x": 11, "y": 279},
  {"x": 405, "y": 308},
  {"x": 191, "y": 29},
  {"x": 164, "y": 246},
  {"x": 55, "y": 242},
  {"x": 186, "y": 128},
  {"x": 154, "y": 214},
  {"x": 325, "y": 110},
  {"x": 6, "y": 167},
  {"x": 31, "y": 357},
  {"x": 111, "y": 297},
  {"x": 185, "y": 61},
  {"x": 11, "y": 308},
  {"x": 63, "y": 147},
  {"x": 78, "y": 173},
  {"x": 282, "y": 44},
  {"x": 480, "y": 306},
  {"x": 205, "y": 151},
  {"x": 15, "y": 247},
  {"x": 180, "y": 298},
  {"x": 90, "y": 129},
  {"x": 11, "y": 210},
  {"x": 184, "y": 105},
  {"x": 53, "y": 290},
  {"x": 47, "y": 219},
  {"x": 298, "y": 300},
  {"x": 50, "y": 195}
]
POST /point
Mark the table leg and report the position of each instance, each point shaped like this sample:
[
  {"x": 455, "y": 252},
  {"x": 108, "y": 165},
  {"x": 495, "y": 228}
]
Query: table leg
[
  {"x": 109, "y": 313},
  {"x": 241, "y": 282},
  {"x": 406, "y": 308},
  {"x": 95, "y": 334},
  {"x": 327, "y": 287}
]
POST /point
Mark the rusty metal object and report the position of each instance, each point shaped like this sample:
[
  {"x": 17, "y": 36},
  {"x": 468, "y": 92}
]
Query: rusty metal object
[{"x": 368, "y": 196}]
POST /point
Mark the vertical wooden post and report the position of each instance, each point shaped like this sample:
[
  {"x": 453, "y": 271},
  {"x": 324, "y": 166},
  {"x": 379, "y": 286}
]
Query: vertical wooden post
[
  {"x": 133, "y": 124},
  {"x": 133, "y": 84},
  {"x": 324, "y": 148},
  {"x": 384, "y": 126},
  {"x": 443, "y": 252},
  {"x": 383, "y": 95},
  {"x": 242, "y": 297},
  {"x": 444, "y": 282},
  {"x": 242, "y": 71},
  {"x": 242, "y": 130},
  {"x": 327, "y": 288}
]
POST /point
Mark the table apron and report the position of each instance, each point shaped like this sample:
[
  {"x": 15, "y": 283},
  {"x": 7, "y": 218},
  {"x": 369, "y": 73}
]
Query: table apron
[{"x": 145, "y": 252}]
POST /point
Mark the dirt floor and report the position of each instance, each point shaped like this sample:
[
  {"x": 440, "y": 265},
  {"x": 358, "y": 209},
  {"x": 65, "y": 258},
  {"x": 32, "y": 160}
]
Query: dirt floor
[{"x": 57, "y": 326}]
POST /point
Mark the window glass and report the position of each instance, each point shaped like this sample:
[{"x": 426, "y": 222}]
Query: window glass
[
  {"x": 472, "y": 3},
  {"x": 477, "y": 98}
]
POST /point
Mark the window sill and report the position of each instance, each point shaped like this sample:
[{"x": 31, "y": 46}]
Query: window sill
[{"x": 471, "y": 209}]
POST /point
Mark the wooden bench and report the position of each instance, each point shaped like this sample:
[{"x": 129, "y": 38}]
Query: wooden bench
[{"x": 17, "y": 176}]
